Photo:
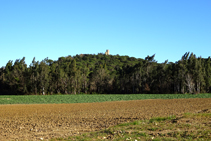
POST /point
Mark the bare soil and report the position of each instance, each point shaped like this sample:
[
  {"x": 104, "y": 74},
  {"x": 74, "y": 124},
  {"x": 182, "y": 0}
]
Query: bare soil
[{"x": 46, "y": 121}]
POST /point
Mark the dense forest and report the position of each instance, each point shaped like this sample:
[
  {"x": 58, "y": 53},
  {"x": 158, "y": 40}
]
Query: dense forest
[{"x": 106, "y": 74}]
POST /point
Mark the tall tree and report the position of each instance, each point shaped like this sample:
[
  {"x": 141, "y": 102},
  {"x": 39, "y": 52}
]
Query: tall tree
[
  {"x": 198, "y": 74},
  {"x": 73, "y": 75},
  {"x": 208, "y": 75},
  {"x": 43, "y": 76},
  {"x": 34, "y": 76}
]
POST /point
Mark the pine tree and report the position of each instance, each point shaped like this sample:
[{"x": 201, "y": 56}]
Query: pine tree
[
  {"x": 208, "y": 75},
  {"x": 198, "y": 74},
  {"x": 34, "y": 76},
  {"x": 182, "y": 72}
]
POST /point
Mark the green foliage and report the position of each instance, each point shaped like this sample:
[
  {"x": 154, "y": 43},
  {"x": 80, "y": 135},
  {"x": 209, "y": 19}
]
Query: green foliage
[
  {"x": 84, "y": 98},
  {"x": 106, "y": 74}
]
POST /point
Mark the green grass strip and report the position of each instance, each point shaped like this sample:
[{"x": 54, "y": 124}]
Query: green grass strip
[{"x": 83, "y": 98}]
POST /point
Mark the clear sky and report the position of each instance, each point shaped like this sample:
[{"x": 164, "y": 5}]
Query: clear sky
[{"x": 137, "y": 28}]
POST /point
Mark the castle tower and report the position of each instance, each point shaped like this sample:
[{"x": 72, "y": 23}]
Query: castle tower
[{"x": 107, "y": 52}]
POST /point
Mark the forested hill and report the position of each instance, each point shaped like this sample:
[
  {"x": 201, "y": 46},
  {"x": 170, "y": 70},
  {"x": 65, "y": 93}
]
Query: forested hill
[{"x": 106, "y": 74}]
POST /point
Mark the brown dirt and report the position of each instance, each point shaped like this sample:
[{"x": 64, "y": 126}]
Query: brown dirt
[{"x": 46, "y": 121}]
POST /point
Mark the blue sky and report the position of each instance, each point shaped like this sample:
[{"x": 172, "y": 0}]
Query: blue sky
[{"x": 137, "y": 28}]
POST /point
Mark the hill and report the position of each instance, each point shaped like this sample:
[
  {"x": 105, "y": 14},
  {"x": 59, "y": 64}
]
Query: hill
[{"x": 108, "y": 74}]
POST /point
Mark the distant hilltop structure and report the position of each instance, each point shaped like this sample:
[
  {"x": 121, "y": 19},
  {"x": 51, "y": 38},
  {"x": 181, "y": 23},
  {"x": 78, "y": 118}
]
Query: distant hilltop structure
[{"x": 107, "y": 52}]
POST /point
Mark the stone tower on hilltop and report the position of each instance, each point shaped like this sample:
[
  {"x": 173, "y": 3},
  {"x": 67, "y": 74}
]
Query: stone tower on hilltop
[{"x": 107, "y": 52}]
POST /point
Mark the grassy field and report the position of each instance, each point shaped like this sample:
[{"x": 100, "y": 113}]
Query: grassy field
[
  {"x": 45, "y": 99},
  {"x": 189, "y": 127}
]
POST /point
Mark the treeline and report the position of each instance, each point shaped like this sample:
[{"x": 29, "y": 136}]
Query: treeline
[{"x": 106, "y": 74}]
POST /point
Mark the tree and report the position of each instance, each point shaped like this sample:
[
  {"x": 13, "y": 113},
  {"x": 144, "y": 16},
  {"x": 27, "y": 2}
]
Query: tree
[
  {"x": 34, "y": 76},
  {"x": 190, "y": 73},
  {"x": 136, "y": 77},
  {"x": 182, "y": 72},
  {"x": 19, "y": 78},
  {"x": 199, "y": 74},
  {"x": 85, "y": 78},
  {"x": 208, "y": 75},
  {"x": 43, "y": 76},
  {"x": 73, "y": 76}
]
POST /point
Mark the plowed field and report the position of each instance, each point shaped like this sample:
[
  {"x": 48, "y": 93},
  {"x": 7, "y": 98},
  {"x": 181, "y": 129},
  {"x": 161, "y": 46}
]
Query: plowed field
[{"x": 46, "y": 121}]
